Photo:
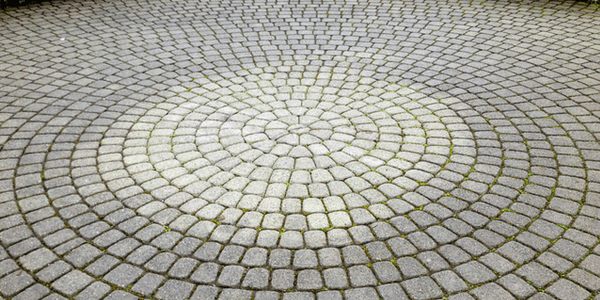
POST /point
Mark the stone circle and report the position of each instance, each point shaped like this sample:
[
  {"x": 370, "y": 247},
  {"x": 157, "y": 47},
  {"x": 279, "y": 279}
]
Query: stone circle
[{"x": 299, "y": 150}]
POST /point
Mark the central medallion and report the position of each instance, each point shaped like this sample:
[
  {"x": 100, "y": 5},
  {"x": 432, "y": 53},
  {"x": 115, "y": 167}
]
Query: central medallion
[{"x": 298, "y": 129}]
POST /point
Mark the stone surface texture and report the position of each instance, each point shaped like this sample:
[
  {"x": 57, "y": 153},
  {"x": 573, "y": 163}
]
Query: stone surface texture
[{"x": 227, "y": 149}]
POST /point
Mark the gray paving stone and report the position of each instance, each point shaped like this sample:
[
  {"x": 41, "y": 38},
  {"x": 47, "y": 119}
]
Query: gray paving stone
[
  {"x": 231, "y": 276},
  {"x": 148, "y": 284},
  {"x": 96, "y": 290},
  {"x": 516, "y": 252},
  {"x": 141, "y": 255},
  {"x": 72, "y": 282},
  {"x": 491, "y": 290},
  {"x": 309, "y": 280},
  {"x": 187, "y": 246},
  {"x": 475, "y": 273},
  {"x": 497, "y": 263},
  {"x": 555, "y": 262},
  {"x": 280, "y": 258},
  {"x": 256, "y": 278},
  {"x": 282, "y": 279},
  {"x": 354, "y": 255},
  {"x": 298, "y": 296},
  {"x": 329, "y": 295},
  {"x": 182, "y": 268},
  {"x": 174, "y": 290},
  {"x": 565, "y": 289},
  {"x": 255, "y": 257},
  {"x": 121, "y": 295},
  {"x": 517, "y": 286},
  {"x": 102, "y": 265},
  {"x": 291, "y": 240},
  {"x": 231, "y": 254},
  {"x": 15, "y": 282},
  {"x": 205, "y": 293},
  {"x": 537, "y": 274},
  {"x": 335, "y": 278},
  {"x": 391, "y": 291},
  {"x": 206, "y": 273},
  {"x": 361, "y": 293},
  {"x": 208, "y": 251},
  {"x": 36, "y": 291},
  {"x": 37, "y": 259},
  {"x": 123, "y": 275},
  {"x": 161, "y": 263},
  {"x": 422, "y": 288}
]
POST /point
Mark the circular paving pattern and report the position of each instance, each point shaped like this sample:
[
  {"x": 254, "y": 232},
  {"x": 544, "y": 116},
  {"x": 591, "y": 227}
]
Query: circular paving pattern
[{"x": 300, "y": 150}]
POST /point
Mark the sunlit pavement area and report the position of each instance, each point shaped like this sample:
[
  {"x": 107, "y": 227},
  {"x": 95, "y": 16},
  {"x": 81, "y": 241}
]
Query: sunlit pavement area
[{"x": 300, "y": 150}]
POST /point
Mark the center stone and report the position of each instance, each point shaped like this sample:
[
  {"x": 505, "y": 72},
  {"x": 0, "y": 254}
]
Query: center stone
[{"x": 298, "y": 129}]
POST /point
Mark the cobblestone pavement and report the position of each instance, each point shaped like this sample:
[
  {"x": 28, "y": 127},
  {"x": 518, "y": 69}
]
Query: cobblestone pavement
[{"x": 300, "y": 150}]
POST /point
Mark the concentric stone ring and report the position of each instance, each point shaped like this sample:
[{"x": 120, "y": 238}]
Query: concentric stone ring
[{"x": 318, "y": 157}]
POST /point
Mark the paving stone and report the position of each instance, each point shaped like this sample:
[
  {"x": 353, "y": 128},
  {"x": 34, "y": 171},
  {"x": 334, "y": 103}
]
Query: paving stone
[
  {"x": 231, "y": 254},
  {"x": 208, "y": 251},
  {"x": 454, "y": 255},
  {"x": 517, "y": 286},
  {"x": 282, "y": 279},
  {"x": 361, "y": 293},
  {"x": 17, "y": 281},
  {"x": 555, "y": 262},
  {"x": 461, "y": 296},
  {"x": 516, "y": 252},
  {"x": 174, "y": 290},
  {"x": 329, "y": 295},
  {"x": 72, "y": 282},
  {"x": 298, "y": 296},
  {"x": 309, "y": 280},
  {"x": 142, "y": 255},
  {"x": 386, "y": 271},
  {"x": 401, "y": 247},
  {"x": 120, "y": 295},
  {"x": 354, "y": 255},
  {"x": 280, "y": 258},
  {"x": 497, "y": 263},
  {"x": 102, "y": 265},
  {"x": 187, "y": 246},
  {"x": 205, "y": 293},
  {"x": 235, "y": 294},
  {"x": 255, "y": 257},
  {"x": 183, "y": 267},
  {"x": 206, "y": 273},
  {"x": 291, "y": 240},
  {"x": 475, "y": 273},
  {"x": 565, "y": 289},
  {"x": 450, "y": 282},
  {"x": 591, "y": 264},
  {"x": 148, "y": 284},
  {"x": 335, "y": 278},
  {"x": 256, "y": 278},
  {"x": 537, "y": 274},
  {"x": 422, "y": 288},
  {"x": 569, "y": 250},
  {"x": 231, "y": 276},
  {"x": 161, "y": 262},
  {"x": 96, "y": 290},
  {"x": 38, "y": 259},
  {"x": 491, "y": 290},
  {"x": 391, "y": 291},
  {"x": 123, "y": 275},
  {"x": 36, "y": 291}
]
